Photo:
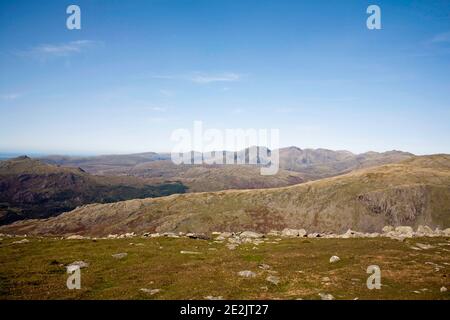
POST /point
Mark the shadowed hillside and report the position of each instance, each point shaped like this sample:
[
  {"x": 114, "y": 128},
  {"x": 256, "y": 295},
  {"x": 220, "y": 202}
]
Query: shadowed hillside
[
  {"x": 416, "y": 191},
  {"x": 32, "y": 189}
]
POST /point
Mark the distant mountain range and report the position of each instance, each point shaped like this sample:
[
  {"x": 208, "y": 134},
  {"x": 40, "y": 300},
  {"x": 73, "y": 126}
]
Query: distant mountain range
[
  {"x": 297, "y": 165},
  {"x": 412, "y": 192}
]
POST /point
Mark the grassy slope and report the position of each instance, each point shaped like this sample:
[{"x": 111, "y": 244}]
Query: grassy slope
[
  {"x": 200, "y": 178},
  {"x": 416, "y": 191},
  {"x": 35, "y": 270}
]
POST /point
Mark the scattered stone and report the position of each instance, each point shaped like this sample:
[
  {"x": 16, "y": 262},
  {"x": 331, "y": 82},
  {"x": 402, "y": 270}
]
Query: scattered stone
[
  {"x": 150, "y": 291},
  {"x": 76, "y": 237},
  {"x": 112, "y": 236},
  {"x": 326, "y": 296},
  {"x": 21, "y": 241},
  {"x": 443, "y": 289},
  {"x": 395, "y": 235},
  {"x": 200, "y": 236},
  {"x": 251, "y": 234},
  {"x": 352, "y": 234},
  {"x": 214, "y": 298},
  {"x": 189, "y": 252},
  {"x": 120, "y": 255},
  {"x": 77, "y": 264},
  {"x": 424, "y": 231},
  {"x": 315, "y": 235},
  {"x": 234, "y": 240},
  {"x": 170, "y": 235},
  {"x": 246, "y": 274},
  {"x": 293, "y": 232},
  {"x": 405, "y": 231},
  {"x": 273, "y": 279},
  {"x": 334, "y": 259},
  {"x": 387, "y": 229},
  {"x": 224, "y": 235},
  {"x": 231, "y": 246},
  {"x": 126, "y": 235},
  {"x": 264, "y": 266},
  {"x": 424, "y": 246},
  {"x": 326, "y": 279},
  {"x": 274, "y": 233}
]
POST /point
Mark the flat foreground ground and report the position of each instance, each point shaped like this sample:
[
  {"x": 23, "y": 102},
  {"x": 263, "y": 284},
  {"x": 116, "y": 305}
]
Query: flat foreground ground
[{"x": 36, "y": 269}]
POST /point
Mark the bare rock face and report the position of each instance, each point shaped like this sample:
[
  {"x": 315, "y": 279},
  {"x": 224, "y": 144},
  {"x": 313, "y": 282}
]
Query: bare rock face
[{"x": 399, "y": 205}]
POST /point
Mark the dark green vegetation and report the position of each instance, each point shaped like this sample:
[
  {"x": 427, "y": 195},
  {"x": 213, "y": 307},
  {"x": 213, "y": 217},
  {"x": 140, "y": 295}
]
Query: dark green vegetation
[
  {"x": 413, "y": 192},
  {"x": 32, "y": 189},
  {"x": 35, "y": 270}
]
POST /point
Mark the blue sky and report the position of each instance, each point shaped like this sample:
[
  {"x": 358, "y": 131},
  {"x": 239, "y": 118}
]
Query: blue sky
[{"x": 138, "y": 70}]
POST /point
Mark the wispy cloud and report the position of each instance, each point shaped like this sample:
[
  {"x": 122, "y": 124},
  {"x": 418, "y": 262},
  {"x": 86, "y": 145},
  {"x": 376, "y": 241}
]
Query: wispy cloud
[
  {"x": 158, "y": 109},
  {"x": 441, "y": 37},
  {"x": 166, "y": 93},
  {"x": 204, "y": 78},
  {"x": 208, "y": 78},
  {"x": 43, "y": 51},
  {"x": 10, "y": 96}
]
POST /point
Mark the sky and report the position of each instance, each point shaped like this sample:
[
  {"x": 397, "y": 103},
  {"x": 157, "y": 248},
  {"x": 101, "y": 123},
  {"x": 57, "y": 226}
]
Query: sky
[{"x": 138, "y": 70}]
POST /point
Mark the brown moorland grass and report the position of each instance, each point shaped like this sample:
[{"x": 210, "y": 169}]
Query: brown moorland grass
[{"x": 35, "y": 270}]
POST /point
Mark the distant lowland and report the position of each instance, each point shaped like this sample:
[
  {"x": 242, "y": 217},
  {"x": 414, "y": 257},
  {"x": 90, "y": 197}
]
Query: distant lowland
[{"x": 318, "y": 189}]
